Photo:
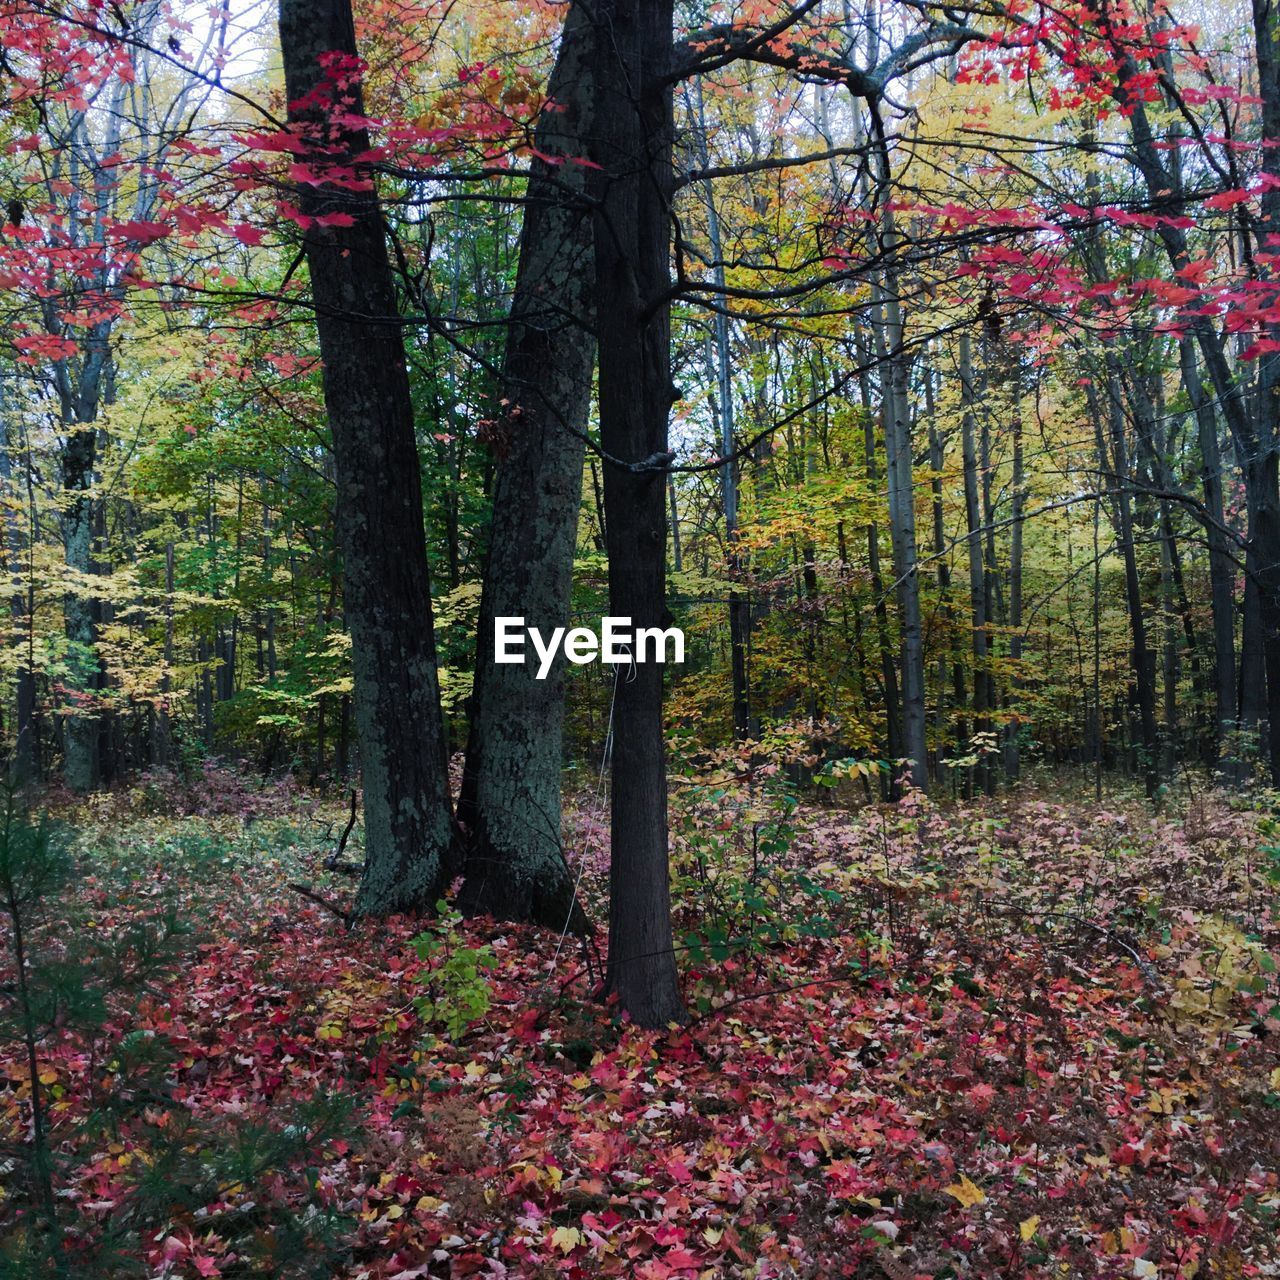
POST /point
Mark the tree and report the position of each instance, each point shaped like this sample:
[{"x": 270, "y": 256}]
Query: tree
[
  {"x": 633, "y": 189},
  {"x": 510, "y": 800},
  {"x": 410, "y": 849}
]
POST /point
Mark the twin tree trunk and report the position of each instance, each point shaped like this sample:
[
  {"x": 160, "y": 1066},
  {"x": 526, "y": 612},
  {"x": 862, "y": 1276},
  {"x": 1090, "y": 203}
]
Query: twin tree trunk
[
  {"x": 408, "y": 825},
  {"x": 510, "y": 801},
  {"x": 633, "y": 189},
  {"x": 511, "y": 798}
]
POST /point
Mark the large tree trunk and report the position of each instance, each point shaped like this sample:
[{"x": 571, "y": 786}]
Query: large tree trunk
[
  {"x": 510, "y": 801},
  {"x": 1262, "y": 479},
  {"x": 80, "y": 761},
  {"x": 408, "y": 827},
  {"x": 632, "y": 251},
  {"x": 946, "y": 607},
  {"x": 81, "y": 393},
  {"x": 1262, "y": 471}
]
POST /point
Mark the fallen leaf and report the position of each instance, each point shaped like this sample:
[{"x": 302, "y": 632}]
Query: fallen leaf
[{"x": 965, "y": 1192}]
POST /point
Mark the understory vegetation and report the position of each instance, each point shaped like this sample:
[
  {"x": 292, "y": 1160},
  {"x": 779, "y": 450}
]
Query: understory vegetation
[{"x": 1020, "y": 1036}]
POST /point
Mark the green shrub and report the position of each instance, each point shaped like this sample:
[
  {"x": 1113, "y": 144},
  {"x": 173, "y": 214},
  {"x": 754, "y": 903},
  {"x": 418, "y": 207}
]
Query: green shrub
[{"x": 456, "y": 990}]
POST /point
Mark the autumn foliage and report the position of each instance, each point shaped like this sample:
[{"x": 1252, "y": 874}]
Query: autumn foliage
[{"x": 920, "y": 360}]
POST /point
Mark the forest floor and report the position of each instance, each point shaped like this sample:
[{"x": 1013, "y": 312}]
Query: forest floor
[{"x": 1019, "y": 1037}]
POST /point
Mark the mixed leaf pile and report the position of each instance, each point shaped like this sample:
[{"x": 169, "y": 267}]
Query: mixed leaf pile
[{"x": 1015, "y": 1038}]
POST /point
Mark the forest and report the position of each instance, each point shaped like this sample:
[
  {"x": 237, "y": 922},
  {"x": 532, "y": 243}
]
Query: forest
[{"x": 639, "y": 638}]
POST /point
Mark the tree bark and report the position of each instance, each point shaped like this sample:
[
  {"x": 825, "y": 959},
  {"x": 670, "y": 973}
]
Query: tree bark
[
  {"x": 899, "y": 467},
  {"x": 510, "y": 805},
  {"x": 80, "y": 761},
  {"x": 723, "y": 411},
  {"x": 408, "y": 827},
  {"x": 633, "y": 188},
  {"x": 1262, "y": 469}
]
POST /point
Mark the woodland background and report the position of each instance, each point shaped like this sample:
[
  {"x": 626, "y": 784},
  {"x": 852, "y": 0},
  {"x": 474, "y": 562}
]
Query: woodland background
[
  {"x": 1066, "y": 235},
  {"x": 921, "y": 361}
]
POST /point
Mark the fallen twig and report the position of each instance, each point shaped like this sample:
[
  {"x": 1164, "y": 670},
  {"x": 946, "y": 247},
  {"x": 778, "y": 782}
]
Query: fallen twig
[
  {"x": 334, "y": 861},
  {"x": 1144, "y": 965},
  {"x": 308, "y": 892}
]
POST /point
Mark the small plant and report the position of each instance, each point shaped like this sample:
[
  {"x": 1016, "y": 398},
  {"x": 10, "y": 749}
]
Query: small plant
[
  {"x": 43, "y": 993},
  {"x": 456, "y": 990},
  {"x": 66, "y": 984},
  {"x": 733, "y": 860}
]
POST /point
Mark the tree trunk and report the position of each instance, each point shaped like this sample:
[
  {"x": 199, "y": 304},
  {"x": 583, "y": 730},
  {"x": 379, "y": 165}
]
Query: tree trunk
[
  {"x": 80, "y": 761},
  {"x": 1254, "y": 435},
  {"x": 949, "y": 663},
  {"x": 1262, "y": 470},
  {"x": 510, "y": 801},
  {"x": 1116, "y": 468},
  {"x": 888, "y": 660},
  {"x": 1012, "y": 760},
  {"x": 723, "y": 411},
  {"x": 408, "y": 827},
  {"x": 23, "y": 764},
  {"x": 977, "y": 565},
  {"x": 1222, "y": 571},
  {"x": 899, "y": 469},
  {"x": 633, "y": 187},
  {"x": 80, "y": 396},
  {"x": 162, "y": 742}
]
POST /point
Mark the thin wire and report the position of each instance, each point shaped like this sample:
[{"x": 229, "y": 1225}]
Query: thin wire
[{"x": 599, "y": 807}]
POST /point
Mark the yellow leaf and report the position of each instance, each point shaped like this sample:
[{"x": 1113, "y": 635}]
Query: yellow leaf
[
  {"x": 566, "y": 1239},
  {"x": 1275, "y": 1078},
  {"x": 1027, "y": 1227},
  {"x": 396, "y": 1211},
  {"x": 965, "y": 1192}
]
